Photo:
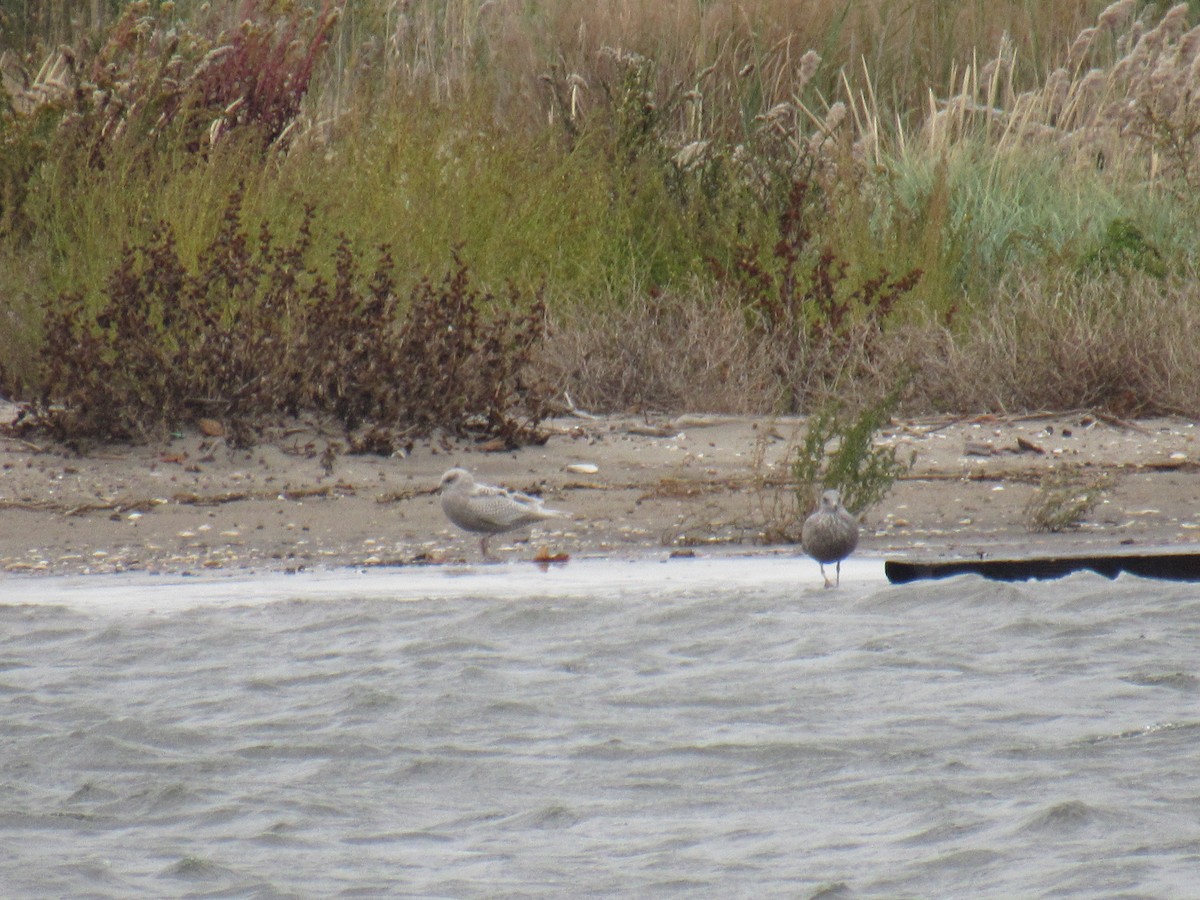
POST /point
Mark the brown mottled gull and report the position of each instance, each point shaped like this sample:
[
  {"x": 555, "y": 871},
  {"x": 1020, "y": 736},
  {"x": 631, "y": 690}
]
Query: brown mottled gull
[
  {"x": 830, "y": 534},
  {"x": 486, "y": 509}
]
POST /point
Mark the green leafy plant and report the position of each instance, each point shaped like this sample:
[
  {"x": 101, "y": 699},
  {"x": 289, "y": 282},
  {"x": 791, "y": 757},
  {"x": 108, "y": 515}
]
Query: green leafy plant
[
  {"x": 1124, "y": 247},
  {"x": 24, "y": 143},
  {"x": 839, "y": 451}
]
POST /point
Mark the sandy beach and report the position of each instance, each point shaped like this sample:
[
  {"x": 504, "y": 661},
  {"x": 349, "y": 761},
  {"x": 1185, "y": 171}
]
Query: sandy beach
[{"x": 635, "y": 486}]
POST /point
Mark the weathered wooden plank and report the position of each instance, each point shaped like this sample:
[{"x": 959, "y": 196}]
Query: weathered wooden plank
[{"x": 1171, "y": 564}]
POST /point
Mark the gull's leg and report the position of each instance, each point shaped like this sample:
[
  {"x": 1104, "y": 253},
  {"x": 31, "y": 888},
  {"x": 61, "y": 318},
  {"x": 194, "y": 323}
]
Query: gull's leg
[
  {"x": 839, "y": 573},
  {"x": 828, "y": 583},
  {"x": 483, "y": 546}
]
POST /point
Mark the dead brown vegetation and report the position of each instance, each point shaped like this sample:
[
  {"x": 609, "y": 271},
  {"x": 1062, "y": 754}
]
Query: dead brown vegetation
[
  {"x": 247, "y": 68},
  {"x": 1123, "y": 344},
  {"x": 257, "y": 329},
  {"x": 672, "y": 351},
  {"x": 1118, "y": 343}
]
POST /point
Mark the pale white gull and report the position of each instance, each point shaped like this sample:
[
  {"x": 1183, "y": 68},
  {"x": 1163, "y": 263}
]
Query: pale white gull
[{"x": 487, "y": 509}]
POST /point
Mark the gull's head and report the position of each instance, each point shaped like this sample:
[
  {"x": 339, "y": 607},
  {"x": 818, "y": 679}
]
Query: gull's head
[
  {"x": 455, "y": 478},
  {"x": 830, "y": 501}
]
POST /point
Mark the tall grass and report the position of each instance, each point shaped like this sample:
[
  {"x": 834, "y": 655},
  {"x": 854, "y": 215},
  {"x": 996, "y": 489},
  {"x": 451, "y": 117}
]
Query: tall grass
[
  {"x": 740, "y": 58},
  {"x": 619, "y": 154}
]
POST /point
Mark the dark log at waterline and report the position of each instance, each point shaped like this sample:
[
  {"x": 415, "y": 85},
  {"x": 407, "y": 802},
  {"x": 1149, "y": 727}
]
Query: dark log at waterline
[{"x": 1168, "y": 564}]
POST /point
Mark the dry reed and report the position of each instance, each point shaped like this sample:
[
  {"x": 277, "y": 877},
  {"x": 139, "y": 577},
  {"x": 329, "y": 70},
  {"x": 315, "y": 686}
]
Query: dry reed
[{"x": 1126, "y": 98}]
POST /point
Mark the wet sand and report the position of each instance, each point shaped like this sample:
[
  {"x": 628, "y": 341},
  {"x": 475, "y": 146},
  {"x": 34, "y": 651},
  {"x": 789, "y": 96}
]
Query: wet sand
[{"x": 635, "y": 486}]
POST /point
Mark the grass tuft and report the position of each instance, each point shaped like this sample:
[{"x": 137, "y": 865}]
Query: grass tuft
[{"x": 1063, "y": 499}]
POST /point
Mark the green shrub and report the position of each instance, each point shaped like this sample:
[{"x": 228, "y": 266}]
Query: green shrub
[
  {"x": 24, "y": 146},
  {"x": 839, "y": 451},
  {"x": 1124, "y": 248}
]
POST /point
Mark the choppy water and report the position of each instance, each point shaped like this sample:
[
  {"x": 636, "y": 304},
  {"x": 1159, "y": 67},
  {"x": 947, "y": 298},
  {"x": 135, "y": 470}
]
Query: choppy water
[{"x": 696, "y": 728}]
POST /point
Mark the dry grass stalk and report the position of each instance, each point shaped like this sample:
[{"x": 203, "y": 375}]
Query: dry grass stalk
[
  {"x": 677, "y": 352},
  {"x": 245, "y": 67},
  {"x": 50, "y": 85}
]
